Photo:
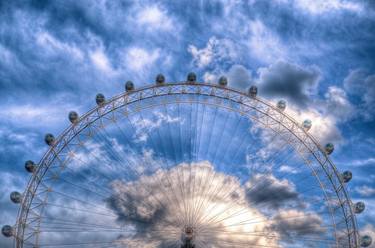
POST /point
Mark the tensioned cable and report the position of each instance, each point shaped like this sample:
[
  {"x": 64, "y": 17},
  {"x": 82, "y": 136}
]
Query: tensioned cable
[
  {"x": 176, "y": 163},
  {"x": 217, "y": 186},
  {"x": 203, "y": 203},
  {"x": 160, "y": 186},
  {"x": 181, "y": 149}
]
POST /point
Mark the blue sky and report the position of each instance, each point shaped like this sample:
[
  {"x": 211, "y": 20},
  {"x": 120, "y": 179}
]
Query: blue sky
[{"x": 317, "y": 55}]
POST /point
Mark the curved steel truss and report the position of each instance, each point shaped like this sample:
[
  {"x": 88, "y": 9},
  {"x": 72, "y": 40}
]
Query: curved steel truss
[{"x": 255, "y": 108}]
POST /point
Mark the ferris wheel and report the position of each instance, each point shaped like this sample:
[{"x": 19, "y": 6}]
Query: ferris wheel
[{"x": 186, "y": 164}]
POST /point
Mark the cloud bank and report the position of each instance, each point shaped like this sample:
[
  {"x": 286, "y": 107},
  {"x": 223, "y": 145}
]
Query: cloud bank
[{"x": 221, "y": 212}]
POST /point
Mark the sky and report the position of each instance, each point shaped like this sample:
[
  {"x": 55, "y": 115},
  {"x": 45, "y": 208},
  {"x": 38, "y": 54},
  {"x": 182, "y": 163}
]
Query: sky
[{"x": 55, "y": 56}]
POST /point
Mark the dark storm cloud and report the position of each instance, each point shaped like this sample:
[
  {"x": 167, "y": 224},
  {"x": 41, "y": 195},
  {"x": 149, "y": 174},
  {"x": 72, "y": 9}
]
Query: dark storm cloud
[
  {"x": 289, "y": 81},
  {"x": 268, "y": 192},
  {"x": 138, "y": 208},
  {"x": 292, "y": 223}
]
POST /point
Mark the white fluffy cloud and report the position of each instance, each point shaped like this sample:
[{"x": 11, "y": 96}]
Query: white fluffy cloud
[
  {"x": 144, "y": 126},
  {"x": 100, "y": 59},
  {"x": 264, "y": 44},
  {"x": 163, "y": 204},
  {"x": 154, "y": 18},
  {"x": 217, "y": 52},
  {"x": 365, "y": 190},
  {"x": 215, "y": 205},
  {"x": 139, "y": 59},
  {"x": 324, "y": 127},
  {"x": 322, "y": 6},
  {"x": 337, "y": 104},
  {"x": 288, "y": 169}
]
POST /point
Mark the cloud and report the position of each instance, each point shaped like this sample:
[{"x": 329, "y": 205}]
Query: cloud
[
  {"x": 54, "y": 47},
  {"x": 318, "y": 7},
  {"x": 51, "y": 51},
  {"x": 17, "y": 146},
  {"x": 160, "y": 206},
  {"x": 144, "y": 126},
  {"x": 93, "y": 223},
  {"x": 363, "y": 162},
  {"x": 365, "y": 191},
  {"x": 290, "y": 81},
  {"x": 239, "y": 77},
  {"x": 291, "y": 223},
  {"x": 326, "y": 115},
  {"x": 269, "y": 192},
  {"x": 298, "y": 85},
  {"x": 361, "y": 84},
  {"x": 218, "y": 52},
  {"x": 35, "y": 116},
  {"x": 265, "y": 45},
  {"x": 148, "y": 24},
  {"x": 201, "y": 57},
  {"x": 288, "y": 169},
  {"x": 101, "y": 61},
  {"x": 337, "y": 104},
  {"x": 154, "y": 18},
  {"x": 139, "y": 59},
  {"x": 324, "y": 127}
]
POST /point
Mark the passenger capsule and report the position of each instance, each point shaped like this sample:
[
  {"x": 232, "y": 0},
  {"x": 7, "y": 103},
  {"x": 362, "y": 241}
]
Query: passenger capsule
[
  {"x": 359, "y": 207},
  {"x": 191, "y": 77},
  {"x": 253, "y": 91},
  {"x": 223, "y": 81},
  {"x": 30, "y": 166},
  {"x": 365, "y": 241},
  {"x": 16, "y": 197},
  {"x": 129, "y": 86},
  {"x": 73, "y": 117},
  {"x": 346, "y": 176},
  {"x": 49, "y": 139},
  {"x": 160, "y": 79},
  {"x": 329, "y": 148},
  {"x": 7, "y": 231},
  {"x": 100, "y": 99},
  {"x": 281, "y": 105},
  {"x": 307, "y": 124}
]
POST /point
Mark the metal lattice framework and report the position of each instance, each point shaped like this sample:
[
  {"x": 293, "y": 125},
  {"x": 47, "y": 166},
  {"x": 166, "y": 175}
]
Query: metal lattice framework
[{"x": 255, "y": 108}]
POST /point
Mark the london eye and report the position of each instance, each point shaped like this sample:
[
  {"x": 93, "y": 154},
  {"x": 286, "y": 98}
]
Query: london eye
[{"x": 186, "y": 164}]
